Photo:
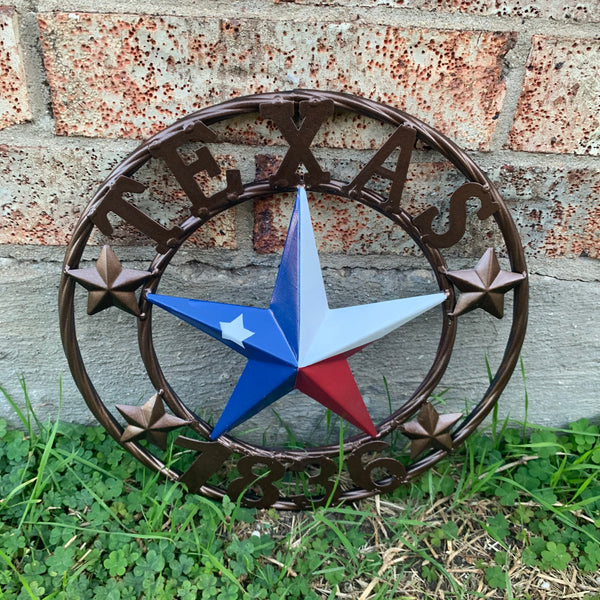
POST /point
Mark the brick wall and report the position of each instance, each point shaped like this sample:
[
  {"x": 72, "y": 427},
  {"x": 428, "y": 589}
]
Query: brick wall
[{"x": 516, "y": 83}]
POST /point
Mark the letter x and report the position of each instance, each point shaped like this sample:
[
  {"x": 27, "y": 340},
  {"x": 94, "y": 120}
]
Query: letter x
[{"x": 313, "y": 113}]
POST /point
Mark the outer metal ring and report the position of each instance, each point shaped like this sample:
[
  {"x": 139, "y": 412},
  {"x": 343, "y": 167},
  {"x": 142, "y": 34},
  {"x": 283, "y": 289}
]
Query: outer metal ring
[{"x": 247, "y": 105}]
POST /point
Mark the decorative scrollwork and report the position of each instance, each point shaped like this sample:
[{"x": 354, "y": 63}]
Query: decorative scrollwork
[{"x": 280, "y": 477}]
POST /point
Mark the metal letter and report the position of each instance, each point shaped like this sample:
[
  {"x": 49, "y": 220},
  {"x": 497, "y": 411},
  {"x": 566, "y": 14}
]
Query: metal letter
[
  {"x": 114, "y": 202},
  {"x": 403, "y": 138},
  {"x": 458, "y": 215},
  {"x": 313, "y": 112},
  {"x": 184, "y": 173}
]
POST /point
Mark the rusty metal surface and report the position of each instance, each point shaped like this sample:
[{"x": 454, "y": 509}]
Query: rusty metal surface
[{"x": 298, "y": 478}]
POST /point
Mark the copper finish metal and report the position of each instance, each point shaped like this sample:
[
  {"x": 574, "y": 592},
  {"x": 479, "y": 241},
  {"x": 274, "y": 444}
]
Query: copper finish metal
[
  {"x": 297, "y": 116},
  {"x": 430, "y": 430},
  {"x": 458, "y": 215},
  {"x": 149, "y": 421},
  {"x": 484, "y": 286},
  {"x": 109, "y": 284}
]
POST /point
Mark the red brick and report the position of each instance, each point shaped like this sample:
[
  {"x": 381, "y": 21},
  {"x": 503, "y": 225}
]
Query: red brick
[
  {"x": 343, "y": 130},
  {"x": 343, "y": 226},
  {"x": 14, "y": 103},
  {"x": 581, "y": 11},
  {"x": 127, "y": 76},
  {"x": 558, "y": 109},
  {"x": 43, "y": 192},
  {"x": 557, "y": 210}
]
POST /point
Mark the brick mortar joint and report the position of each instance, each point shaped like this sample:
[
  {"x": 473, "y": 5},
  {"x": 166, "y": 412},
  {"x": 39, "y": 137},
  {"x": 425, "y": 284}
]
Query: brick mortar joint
[
  {"x": 570, "y": 279},
  {"x": 33, "y": 65},
  {"x": 515, "y": 76},
  {"x": 577, "y": 269},
  {"x": 392, "y": 16},
  {"x": 513, "y": 79},
  {"x": 34, "y": 138}
]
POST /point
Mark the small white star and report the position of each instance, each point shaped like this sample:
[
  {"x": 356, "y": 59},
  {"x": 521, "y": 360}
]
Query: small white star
[{"x": 235, "y": 331}]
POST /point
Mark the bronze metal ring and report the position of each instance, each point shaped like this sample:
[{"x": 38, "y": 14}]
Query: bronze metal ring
[{"x": 196, "y": 128}]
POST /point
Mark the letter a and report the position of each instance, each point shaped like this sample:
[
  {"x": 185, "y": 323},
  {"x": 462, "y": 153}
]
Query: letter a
[{"x": 403, "y": 138}]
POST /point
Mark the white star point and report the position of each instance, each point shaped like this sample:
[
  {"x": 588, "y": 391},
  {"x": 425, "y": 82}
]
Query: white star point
[{"x": 235, "y": 331}]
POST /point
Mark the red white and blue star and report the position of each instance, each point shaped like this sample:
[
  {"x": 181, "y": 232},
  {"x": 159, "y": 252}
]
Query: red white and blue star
[{"x": 298, "y": 342}]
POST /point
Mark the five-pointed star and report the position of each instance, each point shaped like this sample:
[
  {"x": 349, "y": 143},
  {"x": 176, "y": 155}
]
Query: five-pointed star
[
  {"x": 430, "y": 430},
  {"x": 484, "y": 286},
  {"x": 235, "y": 330},
  {"x": 149, "y": 420},
  {"x": 298, "y": 342},
  {"x": 109, "y": 284}
]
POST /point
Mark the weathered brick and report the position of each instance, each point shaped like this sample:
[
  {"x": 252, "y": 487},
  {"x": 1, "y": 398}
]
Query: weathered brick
[
  {"x": 558, "y": 109},
  {"x": 557, "y": 211},
  {"x": 43, "y": 192},
  {"x": 343, "y": 130},
  {"x": 14, "y": 103},
  {"x": 127, "y": 75},
  {"x": 581, "y": 11},
  {"x": 344, "y": 226}
]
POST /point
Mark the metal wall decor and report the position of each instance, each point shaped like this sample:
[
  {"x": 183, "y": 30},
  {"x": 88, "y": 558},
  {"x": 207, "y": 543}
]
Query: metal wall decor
[{"x": 296, "y": 342}]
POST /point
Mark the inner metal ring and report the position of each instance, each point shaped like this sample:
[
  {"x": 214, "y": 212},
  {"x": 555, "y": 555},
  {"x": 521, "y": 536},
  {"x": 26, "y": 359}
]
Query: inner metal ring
[{"x": 425, "y": 389}]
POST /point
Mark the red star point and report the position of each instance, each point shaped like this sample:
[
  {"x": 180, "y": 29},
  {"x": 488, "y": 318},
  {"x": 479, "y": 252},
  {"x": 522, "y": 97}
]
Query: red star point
[{"x": 331, "y": 383}]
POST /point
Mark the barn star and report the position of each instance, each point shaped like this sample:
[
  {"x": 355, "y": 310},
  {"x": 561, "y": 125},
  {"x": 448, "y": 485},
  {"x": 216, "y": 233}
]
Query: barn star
[
  {"x": 150, "y": 421},
  {"x": 429, "y": 430},
  {"x": 484, "y": 286},
  {"x": 298, "y": 342}
]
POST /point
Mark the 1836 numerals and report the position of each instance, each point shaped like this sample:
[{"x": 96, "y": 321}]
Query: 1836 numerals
[{"x": 309, "y": 481}]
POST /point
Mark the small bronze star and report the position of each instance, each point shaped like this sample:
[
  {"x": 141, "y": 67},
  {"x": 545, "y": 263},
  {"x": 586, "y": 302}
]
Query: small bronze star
[
  {"x": 429, "y": 430},
  {"x": 149, "y": 420},
  {"x": 484, "y": 286},
  {"x": 109, "y": 284}
]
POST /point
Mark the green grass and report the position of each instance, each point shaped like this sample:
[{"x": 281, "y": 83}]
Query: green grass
[{"x": 518, "y": 506}]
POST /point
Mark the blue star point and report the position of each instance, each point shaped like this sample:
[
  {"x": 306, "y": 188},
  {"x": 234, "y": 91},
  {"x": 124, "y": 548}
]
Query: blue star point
[{"x": 298, "y": 342}]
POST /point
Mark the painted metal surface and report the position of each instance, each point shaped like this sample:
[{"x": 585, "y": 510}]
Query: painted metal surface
[
  {"x": 298, "y": 342},
  {"x": 313, "y": 342}
]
